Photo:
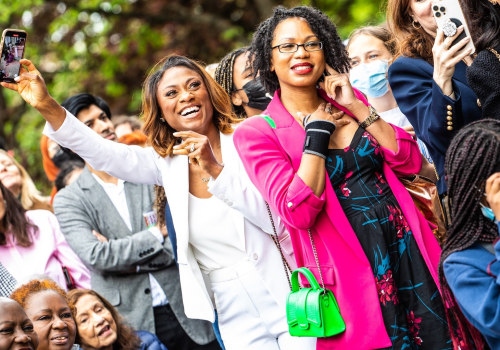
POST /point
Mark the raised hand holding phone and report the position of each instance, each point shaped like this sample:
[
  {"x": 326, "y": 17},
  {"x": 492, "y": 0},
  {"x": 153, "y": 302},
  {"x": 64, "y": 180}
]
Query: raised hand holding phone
[
  {"x": 31, "y": 86},
  {"x": 449, "y": 18}
]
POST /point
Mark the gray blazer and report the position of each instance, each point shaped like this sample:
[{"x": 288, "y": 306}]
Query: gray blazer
[{"x": 84, "y": 206}]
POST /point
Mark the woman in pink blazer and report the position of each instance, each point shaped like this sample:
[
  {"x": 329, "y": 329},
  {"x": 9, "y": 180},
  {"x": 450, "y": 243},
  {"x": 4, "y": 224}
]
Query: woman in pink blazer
[
  {"x": 323, "y": 172},
  {"x": 32, "y": 244}
]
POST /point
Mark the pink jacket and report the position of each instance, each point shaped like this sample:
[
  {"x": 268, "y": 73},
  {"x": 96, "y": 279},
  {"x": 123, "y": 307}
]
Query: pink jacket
[
  {"x": 46, "y": 256},
  {"x": 271, "y": 156}
]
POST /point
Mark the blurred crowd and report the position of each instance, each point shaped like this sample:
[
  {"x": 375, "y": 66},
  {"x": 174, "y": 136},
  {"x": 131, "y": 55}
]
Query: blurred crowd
[{"x": 373, "y": 162}]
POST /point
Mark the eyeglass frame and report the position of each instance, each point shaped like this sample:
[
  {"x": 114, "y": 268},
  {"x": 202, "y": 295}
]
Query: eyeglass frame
[{"x": 298, "y": 45}]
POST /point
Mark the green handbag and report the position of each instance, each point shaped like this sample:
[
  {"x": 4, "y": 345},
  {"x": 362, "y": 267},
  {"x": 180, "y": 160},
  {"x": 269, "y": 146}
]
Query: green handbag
[{"x": 312, "y": 312}]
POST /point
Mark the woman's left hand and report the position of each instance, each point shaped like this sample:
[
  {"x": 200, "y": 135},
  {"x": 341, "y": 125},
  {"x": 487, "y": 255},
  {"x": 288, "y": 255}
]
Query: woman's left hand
[
  {"x": 197, "y": 147},
  {"x": 338, "y": 87}
]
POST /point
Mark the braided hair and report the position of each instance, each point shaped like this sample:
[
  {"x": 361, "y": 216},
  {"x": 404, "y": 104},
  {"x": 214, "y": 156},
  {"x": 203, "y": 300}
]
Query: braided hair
[
  {"x": 224, "y": 76},
  {"x": 473, "y": 155},
  {"x": 261, "y": 48}
]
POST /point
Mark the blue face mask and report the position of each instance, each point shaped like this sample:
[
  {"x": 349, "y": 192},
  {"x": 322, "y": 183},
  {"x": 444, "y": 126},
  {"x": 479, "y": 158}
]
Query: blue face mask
[
  {"x": 487, "y": 212},
  {"x": 370, "y": 78}
]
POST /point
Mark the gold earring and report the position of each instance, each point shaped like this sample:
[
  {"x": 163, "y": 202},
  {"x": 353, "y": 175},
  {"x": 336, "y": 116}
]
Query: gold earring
[{"x": 414, "y": 25}]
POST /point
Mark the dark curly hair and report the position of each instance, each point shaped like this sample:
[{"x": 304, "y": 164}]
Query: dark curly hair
[
  {"x": 483, "y": 18},
  {"x": 126, "y": 337},
  {"x": 261, "y": 48},
  {"x": 473, "y": 155}
]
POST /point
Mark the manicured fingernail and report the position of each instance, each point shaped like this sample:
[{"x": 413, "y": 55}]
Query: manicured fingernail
[{"x": 17, "y": 78}]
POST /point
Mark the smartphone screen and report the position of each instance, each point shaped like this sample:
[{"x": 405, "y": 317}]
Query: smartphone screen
[{"x": 12, "y": 52}]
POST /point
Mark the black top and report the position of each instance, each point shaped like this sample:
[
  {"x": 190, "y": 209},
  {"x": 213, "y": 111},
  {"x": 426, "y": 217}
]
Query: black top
[{"x": 483, "y": 76}]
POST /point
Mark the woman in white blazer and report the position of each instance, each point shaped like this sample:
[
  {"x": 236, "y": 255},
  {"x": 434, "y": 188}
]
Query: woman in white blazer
[{"x": 227, "y": 258}]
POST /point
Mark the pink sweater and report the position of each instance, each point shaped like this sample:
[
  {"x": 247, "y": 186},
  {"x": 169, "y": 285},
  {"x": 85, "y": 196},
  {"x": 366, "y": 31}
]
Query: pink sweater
[
  {"x": 46, "y": 256},
  {"x": 272, "y": 156}
]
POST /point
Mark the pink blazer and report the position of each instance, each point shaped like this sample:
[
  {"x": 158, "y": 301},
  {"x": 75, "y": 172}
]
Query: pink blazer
[{"x": 271, "y": 156}]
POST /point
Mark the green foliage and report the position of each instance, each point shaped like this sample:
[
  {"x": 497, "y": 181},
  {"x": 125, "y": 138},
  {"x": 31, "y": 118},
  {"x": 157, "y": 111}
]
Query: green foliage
[{"x": 107, "y": 47}]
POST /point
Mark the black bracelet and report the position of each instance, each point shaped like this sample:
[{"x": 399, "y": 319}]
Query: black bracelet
[
  {"x": 321, "y": 124},
  {"x": 318, "y": 137}
]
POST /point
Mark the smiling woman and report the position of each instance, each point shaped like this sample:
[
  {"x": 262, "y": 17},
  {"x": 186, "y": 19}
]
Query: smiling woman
[
  {"x": 46, "y": 305},
  {"x": 223, "y": 230},
  {"x": 100, "y": 326},
  {"x": 324, "y": 160}
]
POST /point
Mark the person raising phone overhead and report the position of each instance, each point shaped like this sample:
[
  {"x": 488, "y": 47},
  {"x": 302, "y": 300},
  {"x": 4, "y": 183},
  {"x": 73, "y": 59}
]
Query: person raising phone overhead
[
  {"x": 428, "y": 79},
  {"x": 222, "y": 224}
]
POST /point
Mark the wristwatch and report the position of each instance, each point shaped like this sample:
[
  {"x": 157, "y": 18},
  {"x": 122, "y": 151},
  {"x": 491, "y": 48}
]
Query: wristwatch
[{"x": 371, "y": 118}]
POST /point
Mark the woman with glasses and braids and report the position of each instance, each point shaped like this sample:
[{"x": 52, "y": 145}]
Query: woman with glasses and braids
[
  {"x": 329, "y": 166},
  {"x": 469, "y": 269},
  {"x": 234, "y": 74}
]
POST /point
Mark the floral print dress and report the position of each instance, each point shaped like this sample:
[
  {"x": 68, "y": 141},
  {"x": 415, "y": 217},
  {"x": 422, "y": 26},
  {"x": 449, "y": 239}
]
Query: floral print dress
[{"x": 411, "y": 305}]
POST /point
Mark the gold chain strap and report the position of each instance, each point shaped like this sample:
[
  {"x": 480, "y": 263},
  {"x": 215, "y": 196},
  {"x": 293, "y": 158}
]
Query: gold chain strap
[
  {"x": 317, "y": 260},
  {"x": 278, "y": 244},
  {"x": 493, "y": 51}
]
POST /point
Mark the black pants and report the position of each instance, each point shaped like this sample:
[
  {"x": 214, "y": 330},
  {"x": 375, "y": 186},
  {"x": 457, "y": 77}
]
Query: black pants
[{"x": 171, "y": 333}]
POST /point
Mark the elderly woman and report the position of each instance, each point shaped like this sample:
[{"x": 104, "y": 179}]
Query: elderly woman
[
  {"x": 100, "y": 326},
  {"x": 329, "y": 166},
  {"x": 17, "y": 180},
  {"x": 16, "y": 329},
  {"x": 46, "y": 304},
  {"x": 428, "y": 78},
  {"x": 32, "y": 243},
  {"x": 227, "y": 258}
]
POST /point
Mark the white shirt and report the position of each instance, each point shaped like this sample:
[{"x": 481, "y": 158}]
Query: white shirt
[
  {"x": 212, "y": 235},
  {"x": 117, "y": 195},
  {"x": 395, "y": 117}
]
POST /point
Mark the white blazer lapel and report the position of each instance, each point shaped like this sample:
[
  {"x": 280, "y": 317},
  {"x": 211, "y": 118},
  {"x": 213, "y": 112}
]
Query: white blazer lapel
[
  {"x": 230, "y": 158},
  {"x": 176, "y": 184}
]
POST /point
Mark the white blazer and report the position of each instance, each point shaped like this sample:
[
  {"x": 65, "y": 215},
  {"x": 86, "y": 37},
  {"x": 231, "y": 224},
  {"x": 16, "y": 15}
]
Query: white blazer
[{"x": 252, "y": 222}]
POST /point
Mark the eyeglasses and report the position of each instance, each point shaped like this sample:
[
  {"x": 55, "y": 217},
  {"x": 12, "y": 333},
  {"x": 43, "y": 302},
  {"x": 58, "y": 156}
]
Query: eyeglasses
[{"x": 291, "y": 48}]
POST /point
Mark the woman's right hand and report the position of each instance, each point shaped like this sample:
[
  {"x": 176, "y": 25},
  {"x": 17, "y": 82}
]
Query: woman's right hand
[
  {"x": 446, "y": 58},
  {"x": 326, "y": 111},
  {"x": 31, "y": 86},
  {"x": 493, "y": 194}
]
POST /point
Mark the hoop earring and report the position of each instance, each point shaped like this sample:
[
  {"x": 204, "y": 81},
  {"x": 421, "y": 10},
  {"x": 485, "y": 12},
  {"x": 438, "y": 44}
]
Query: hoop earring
[
  {"x": 162, "y": 120},
  {"x": 414, "y": 25}
]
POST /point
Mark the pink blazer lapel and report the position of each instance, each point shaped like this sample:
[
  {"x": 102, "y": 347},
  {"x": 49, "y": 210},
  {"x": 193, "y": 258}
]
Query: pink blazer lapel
[{"x": 291, "y": 136}]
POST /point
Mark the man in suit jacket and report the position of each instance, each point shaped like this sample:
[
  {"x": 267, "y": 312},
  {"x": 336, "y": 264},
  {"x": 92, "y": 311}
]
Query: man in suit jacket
[{"x": 132, "y": 265}]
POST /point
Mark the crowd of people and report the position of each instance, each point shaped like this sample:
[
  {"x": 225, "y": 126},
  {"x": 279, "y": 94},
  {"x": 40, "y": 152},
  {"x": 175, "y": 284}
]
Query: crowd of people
[{"x": 180, "y": 230}]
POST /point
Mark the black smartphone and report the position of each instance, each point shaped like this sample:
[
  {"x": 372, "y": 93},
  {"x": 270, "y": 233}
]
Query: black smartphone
[{"x": 13, "y": 44}]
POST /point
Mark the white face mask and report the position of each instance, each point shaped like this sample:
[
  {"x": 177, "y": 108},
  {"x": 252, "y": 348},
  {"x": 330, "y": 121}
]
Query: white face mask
[{"x": 370, "y": 78}]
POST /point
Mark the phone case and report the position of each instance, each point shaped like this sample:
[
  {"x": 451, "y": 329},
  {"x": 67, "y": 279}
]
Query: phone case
[
  {"x": 3, "y": 64},
  {"x": 449, "y": 13}
]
